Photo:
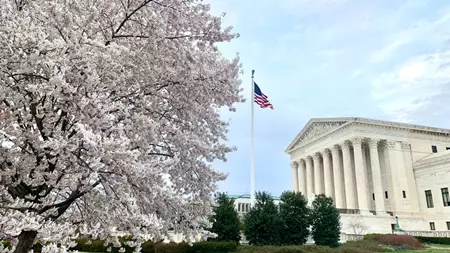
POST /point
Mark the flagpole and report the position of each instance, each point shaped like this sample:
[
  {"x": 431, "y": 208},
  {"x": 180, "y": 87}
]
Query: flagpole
[{"x": 252, "y": 146}]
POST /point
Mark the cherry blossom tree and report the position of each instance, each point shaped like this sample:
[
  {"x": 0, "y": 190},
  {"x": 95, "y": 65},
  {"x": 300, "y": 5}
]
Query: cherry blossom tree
[{"x": 109, "y": 116}]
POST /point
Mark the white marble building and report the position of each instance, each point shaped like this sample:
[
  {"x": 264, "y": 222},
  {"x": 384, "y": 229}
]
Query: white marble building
[{"x": 375, "y": 170}]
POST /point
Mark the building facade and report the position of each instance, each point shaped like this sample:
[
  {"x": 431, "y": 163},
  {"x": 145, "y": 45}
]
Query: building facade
[
  {"x": 242, "y": 203},
  {"x": 376, "y": 171}
]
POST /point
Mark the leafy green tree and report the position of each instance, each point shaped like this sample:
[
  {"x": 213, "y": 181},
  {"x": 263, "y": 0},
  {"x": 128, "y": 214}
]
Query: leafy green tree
[
  {"x": 225, "y": 220},
  {"x": 326, "y": 225},
  {"x": 294, "y": 213},
  {"x": 263, "y": 225}
]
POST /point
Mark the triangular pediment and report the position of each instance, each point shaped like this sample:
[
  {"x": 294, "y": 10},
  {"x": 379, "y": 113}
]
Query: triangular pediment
[
  {"x": 314, "y": 129},
  {"x": 317, "y": 127}
]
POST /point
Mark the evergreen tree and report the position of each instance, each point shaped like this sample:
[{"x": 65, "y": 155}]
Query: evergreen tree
[
  {"x": 225, "y": 220},
  {"x": 263, "y": 225},
  {"x": 325, "y": 218},
  {"x": 294, "y": 213}
]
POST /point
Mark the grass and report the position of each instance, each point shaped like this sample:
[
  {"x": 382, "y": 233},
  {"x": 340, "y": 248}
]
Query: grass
[
  {"x": 431, "y": 248},
  {"x": 366, "y": 246}
]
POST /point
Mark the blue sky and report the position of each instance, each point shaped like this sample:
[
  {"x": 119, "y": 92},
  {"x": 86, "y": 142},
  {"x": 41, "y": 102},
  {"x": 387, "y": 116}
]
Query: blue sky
[{"x": 380, "y": 59}]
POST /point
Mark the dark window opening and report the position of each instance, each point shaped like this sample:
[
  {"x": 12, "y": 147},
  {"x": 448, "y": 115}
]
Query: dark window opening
[
  {"x": 447, "y": 148},
  {"x": 432, "y": 227},
  {"x": 448, "y": 225},
  {"x": 429, "y": 199},
  {"x": 404, "y": 194},
  {"x": 373, "y": 196},
  {"x": 386, "y": 194},
  {"x": 445, "y": 196},
  {"x": 434, "y": 149}
]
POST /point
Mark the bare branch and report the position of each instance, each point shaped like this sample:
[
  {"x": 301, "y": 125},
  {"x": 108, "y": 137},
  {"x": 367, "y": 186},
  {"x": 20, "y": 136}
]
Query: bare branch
[{"x": 127, "y": 17}]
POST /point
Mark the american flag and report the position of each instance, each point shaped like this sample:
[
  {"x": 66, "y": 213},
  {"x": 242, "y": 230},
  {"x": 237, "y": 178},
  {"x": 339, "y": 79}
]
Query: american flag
[{"x": 261, "y": 98}]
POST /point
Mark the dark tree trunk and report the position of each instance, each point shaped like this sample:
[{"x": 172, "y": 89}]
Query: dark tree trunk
[{"x": 26, "y": 240}]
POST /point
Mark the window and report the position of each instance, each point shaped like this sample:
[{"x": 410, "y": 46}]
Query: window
[
  {"x": 239, "y": 207},
  {"x": 445, "y": 197},
  {"x": 434, "y": 149},
  {"x": 448, "y": 225},
  {"x": 429, "y": 199},
  {"x": 447, "y": 148},
  {"x": 404, "y": 194},
  {"x": 432, "y": 227},
  {"x": 373, "y": 196},
  {"x": 385, "y": 194}
]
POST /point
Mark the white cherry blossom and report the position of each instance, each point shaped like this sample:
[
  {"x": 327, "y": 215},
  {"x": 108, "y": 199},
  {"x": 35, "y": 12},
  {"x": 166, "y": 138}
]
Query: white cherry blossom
[{"x": 109, "y": 116}]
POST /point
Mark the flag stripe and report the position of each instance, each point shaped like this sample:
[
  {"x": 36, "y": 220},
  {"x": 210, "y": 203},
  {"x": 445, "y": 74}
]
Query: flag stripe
[{"x": 261, "y": 99}]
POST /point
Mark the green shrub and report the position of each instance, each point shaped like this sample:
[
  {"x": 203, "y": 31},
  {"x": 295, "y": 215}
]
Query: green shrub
[
  {"x": 372, "y": 236},
  {"x": 434, "y": 240},
  {"x": 213, "y": 247},
  {"x": 325, "y": 221},
  {"x": 400, "y": 241},
  {"x": 271, "y": 249},
  {"x": 171, "y": 247},
  {"x": 363, "y": 246},
  {"x": 151, "y": 247},
  {"x": 263, "y": 224},
  {"x": 37, "y": 247},
  {"x": 225, "y": 220},
  {"x": 148, "y": 247},
  {"x": 294, "y": 213},
  {"x": 368, "y": 246},
  {"x": 97, "y": 246},
  {"x": 6, "y": 244}
]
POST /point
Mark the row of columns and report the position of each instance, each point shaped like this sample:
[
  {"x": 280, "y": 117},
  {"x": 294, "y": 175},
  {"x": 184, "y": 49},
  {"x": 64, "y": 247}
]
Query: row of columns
[{"x": 335, "y": 165}]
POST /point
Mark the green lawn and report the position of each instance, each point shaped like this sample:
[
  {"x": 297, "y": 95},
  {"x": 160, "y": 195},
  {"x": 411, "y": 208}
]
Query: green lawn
[{"x": 431, "y": 248}]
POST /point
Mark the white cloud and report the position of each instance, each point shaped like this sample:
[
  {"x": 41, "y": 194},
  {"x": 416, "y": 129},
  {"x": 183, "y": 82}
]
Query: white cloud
[
  {"x": 412, "y": 85},
  {"x": 385, "y": 52},
  {"x": 306, "y": 7}
]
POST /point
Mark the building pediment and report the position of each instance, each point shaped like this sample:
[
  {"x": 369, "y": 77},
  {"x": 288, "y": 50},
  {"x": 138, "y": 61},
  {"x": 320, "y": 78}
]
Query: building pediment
[{"x": 314, "y": 129}]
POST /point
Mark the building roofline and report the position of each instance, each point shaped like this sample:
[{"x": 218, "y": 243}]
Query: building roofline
[
  {"x": 247, "y": 196},
  {"x": 350, "y": 120}
]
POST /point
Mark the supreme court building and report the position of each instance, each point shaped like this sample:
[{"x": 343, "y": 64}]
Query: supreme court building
[{"x": 376, "y": 170}]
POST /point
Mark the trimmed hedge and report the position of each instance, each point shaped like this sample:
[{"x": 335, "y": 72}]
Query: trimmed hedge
[
  {"x": 434, "y": 240},
  {"x": 400, "y": 241},
  {"x": 368, "y": 246},
  {"x": 372, "y": 236},
  {"x": 422, "y": 239},
  {"x": 209, "y": 247},
  {"x": 151, "y": 247}
]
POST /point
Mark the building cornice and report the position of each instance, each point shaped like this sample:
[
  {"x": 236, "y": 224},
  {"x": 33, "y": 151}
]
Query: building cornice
[
  {"x": 380, "y": 127},
  {"x": 425, "y": 164}
]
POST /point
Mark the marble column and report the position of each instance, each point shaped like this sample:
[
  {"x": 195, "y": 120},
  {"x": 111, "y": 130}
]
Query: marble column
[
  {"x": 309, "y": 178},
  {"x": 398, "y": 178},
  {"x": 317, "y": 174},
  {"x": 302, "y": 171},
  {"x": 339, "y": 190},
  {"x": 376, "y": 177},
  {"x": 294, "y": 166},
  {"x": 361, "y": 176},
  {"x": 328, "y": 179},
  {"x": 349, "y": 181}
]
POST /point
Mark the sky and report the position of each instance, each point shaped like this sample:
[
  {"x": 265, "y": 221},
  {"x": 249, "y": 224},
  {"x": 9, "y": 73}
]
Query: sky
[{"x": 383, "y": 59}]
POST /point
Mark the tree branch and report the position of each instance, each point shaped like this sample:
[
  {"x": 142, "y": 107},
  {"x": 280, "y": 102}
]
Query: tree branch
[
  {"x": 127, "y": 17},
  {"x": 30, "y": 75}
]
